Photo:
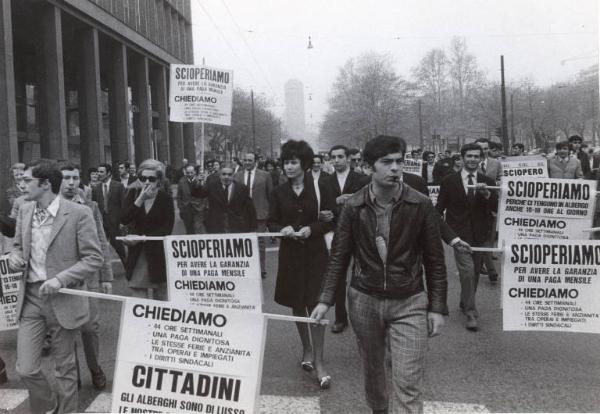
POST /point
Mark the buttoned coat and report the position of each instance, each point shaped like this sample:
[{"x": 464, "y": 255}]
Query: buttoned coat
[
  {"x": 261, "y": 191},
  {"x": 73, "y": 256}
]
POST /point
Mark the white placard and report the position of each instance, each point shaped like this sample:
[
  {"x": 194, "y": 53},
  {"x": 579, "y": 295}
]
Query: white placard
[
  {"x": 187, "y": 359},
  {"x": 10, "y": 287},
  {"x": 200, "y": 94},
  {"x": 221, "y": 271},
  {"x": 532, "y": 166},
  {"x": 545, "y": 208},
  {"x": 434, "y": 192},
  {"x": 551, "y": 286},
  {"x": 413, "y": 166}
]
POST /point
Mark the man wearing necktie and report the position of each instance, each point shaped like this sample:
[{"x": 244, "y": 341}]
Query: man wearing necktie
[
  {"x": 468, "y": 207},
  {"x": 260, "y": 185},
  {"x": 191, "y": 209},
  {"x": 56, "y": 245}
]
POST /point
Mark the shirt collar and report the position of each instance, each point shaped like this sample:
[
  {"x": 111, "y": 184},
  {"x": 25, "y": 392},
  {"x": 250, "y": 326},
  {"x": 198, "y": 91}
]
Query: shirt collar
[
  {"x": 395, "y": 197},
  {"x": 53, "y": 206},
  {"x": 344, "y": 174},
  {"x": 465, "y": 174}
]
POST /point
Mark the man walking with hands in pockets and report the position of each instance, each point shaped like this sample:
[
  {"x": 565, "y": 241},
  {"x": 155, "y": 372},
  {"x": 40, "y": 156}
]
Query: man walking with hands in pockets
[{"x": 392, "y": 231}]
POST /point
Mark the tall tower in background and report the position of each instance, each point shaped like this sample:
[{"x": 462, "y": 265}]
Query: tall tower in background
[{"x": 294, "y": 117}]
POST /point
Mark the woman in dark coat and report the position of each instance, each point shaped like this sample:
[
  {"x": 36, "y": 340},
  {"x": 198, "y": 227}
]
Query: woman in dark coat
[
  {"x": 294, "y": 211},
  {"x": 149, "y": 211}
]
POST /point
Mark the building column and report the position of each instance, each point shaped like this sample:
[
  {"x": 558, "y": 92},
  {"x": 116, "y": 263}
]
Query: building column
[
  {"x": 8, "y": 109},
  {"x": 143, "y": 123},
  {"x": 161, "y": 105},
  {"x": 189, "y": 147},
  {"x": 118, "y": 110},
  {"x": 90, "y": 101},
  {"x": 176, "y": 144},
  {"x": 53, "y": 142}
]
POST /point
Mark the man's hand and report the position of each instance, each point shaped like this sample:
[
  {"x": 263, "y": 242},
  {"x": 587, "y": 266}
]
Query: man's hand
[
  {"x": 106, "y": 288},
  {"x": 342, "y": 199},
  {"x": 325, "y": 216},
  {"x": 462, "y": 246},
  {"x": 319, "y": 311},
  {"x": 482, "y": 189},
  {"x": 288, "y": 232},
  {"x": 304, "y": 233},
  {"x": 435, "y": 321},
  {"x": 16, "y": 262},
  {"x": 50, "y": 287}
]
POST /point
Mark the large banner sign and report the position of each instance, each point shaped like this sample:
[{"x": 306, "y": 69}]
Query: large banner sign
[
  {"x": 532, "y": 166},
  {"x": 545, "y": 208},
  {"x": 221, "y": 271},
  {"x": 200, "y": 94},
  {"x": 413, "y": 166},
  {"x": 178, "y": 359},
  {"x": 434, "y": 192},
  {"x": 552, "y": 286},
  {"x": 10, "y": 285}
]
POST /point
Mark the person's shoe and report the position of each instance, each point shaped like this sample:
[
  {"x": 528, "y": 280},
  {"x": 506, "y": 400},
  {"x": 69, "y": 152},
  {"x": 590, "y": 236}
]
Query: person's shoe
[
  {"x": 3, "y": 376},
  {"x": 339, "y": 327},
  {"x": 472, "y": 323},
  {"x": 98, "y": 379},
  {"x": 55, "y": 409},
  {"x": 263, "y": 275},
  {"x": 493, "y": 277},
  {"x": 307, "y": 366},
  {"x": 325, "y": 382}
]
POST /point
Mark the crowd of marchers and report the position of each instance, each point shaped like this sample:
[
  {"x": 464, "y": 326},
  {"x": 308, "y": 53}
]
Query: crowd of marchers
[{"x": 355, "y": 232}]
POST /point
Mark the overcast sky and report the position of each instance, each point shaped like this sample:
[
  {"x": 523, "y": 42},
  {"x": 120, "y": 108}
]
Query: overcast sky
[{"x": 265, "y": 42}]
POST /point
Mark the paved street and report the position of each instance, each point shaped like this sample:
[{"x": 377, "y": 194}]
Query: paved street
[{"x": 489, "y": 370}]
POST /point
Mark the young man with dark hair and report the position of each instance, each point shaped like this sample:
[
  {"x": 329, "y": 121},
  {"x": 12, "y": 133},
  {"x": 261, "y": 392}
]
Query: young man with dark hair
[
  {"x": 517, "y": 150},
  {"x": 57, "y": 246},
  {"x": 124, "y": 177},
  {"x": 341, "y": 185},
  {"x": 468, "y": 206},
  {"x": 576, "y": 143},
  {"x": 563, "y": 164},
  {"x": 393, "y": 233}
]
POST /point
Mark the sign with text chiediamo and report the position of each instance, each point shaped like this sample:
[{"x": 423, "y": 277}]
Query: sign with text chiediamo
[
  {"x": 545, "y": 208},
  {"x": 176, "y": 359},
  {"x": 200, "y": 94},
  {"x": 551, "y": 286},
  {"x": 532, "y": 166},
  {"x": 220, "y": 271},
  {"x": 10, "y": 284}
]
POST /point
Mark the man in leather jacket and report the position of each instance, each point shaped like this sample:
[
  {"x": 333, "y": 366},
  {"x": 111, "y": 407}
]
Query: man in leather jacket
[{"x": 393, "y": 233}]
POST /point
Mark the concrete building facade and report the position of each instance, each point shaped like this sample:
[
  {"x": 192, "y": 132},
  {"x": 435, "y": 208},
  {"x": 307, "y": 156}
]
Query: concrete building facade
[{"x": 87, "y": 81}]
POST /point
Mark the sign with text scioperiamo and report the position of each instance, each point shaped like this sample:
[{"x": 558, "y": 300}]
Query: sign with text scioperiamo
[
  {"x": 545, "y": 208},
  {"x": 10, "y": 287},
  {"x": 200, "y": 94},
  {"x": 551, "y": 285},
  {"x": 220, "y": 271},
  {"x": 532, "y": 166},
  {"x": 175, "y": 358}
]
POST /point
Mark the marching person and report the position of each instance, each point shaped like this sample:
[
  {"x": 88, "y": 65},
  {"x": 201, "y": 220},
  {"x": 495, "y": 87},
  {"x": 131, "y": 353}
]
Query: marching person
[
  {"x": 149, "y": 211},
  {"x": 294, "y": 211},
  {"x": 99, "y": 282},
  {"x": 342, "y": 184},
  {"x": 230, "y": 209},
  {"x": 517, "y": 150},
  {"x": 563, "y": 164},
  {"x": 392, "y": 231},
  {"x": 260, "y": 185},
  {"x": 124, "y": 176},
  {"x": 576, "y": 146},
  {"x": 191, "y": 209},
  {"x": 57, "y": 246},
  {"x": 109, "y": 194},
  {"x": 468, "y": 213}
]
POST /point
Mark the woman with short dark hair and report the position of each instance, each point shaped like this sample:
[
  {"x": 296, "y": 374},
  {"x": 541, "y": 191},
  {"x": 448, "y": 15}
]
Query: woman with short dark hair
[{"x": 294, "y": 211}]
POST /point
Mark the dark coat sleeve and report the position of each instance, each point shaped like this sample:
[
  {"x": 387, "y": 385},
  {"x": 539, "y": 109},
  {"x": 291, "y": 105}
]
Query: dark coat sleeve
[{"x": 274, "y": 220}]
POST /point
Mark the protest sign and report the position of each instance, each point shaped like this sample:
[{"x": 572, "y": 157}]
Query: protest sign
[
  {"x": 10, "y": 286},
  {"x": 434, "y": 191},
  {"x": 200, "y": 94},
  {"x": 413, "y": 166},
  {"x": 532, "y": 166},
  {"x": 545, "y": 208},
  {"x": 175, "y": 358},
  {"x": 551, "y": 286},
  {"x": 220, "y": 271}
]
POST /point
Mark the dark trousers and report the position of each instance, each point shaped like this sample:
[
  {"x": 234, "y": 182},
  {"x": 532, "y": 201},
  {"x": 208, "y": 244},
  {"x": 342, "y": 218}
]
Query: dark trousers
[
  {"x": 341, "y": 313},
  {"x": 119, "y": 247}
]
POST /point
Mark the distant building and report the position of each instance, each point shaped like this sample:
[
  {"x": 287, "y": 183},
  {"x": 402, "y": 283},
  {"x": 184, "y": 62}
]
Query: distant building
[
  {"x": 294, "y": 117},
  {"x": 87, "y": 80}
]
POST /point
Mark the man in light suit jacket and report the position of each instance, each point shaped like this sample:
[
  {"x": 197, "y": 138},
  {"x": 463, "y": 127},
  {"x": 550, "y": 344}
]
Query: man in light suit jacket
[
  {"x": 260, "y": 184},
  {"x": 564, "y": 165},
  {"x": 491, "y": 168},
  {"x": 56, "y": 245}
]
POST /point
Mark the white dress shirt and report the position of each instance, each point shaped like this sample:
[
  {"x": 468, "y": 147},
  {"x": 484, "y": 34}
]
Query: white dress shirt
[
  {"x": 465, "y": 179},
  {"x": 252, "y": 177},
  {"x": 40, "y": 240},
  {"x": 341, "y": 177}
]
